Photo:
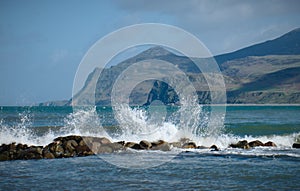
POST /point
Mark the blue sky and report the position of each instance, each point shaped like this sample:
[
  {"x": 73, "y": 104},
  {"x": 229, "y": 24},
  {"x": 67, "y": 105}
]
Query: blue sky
[{"x": 43, "y": 42}]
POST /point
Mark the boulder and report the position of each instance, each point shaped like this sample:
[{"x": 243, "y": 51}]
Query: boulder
[
  {"x": 256, "y": 143},
  {"x": 70, "y": 145},
  {"x": 270, "y": 144},
  {"x": 214, "y": 148},
  {"x": 117, "y": 146},
  {"x": 133, "y": 145},
  {"x": 83, "y": 150},
  {"x": 4, "y": 156},
  {"x": 241, "y": 144},
  {"x": 202, "y": 147},
  {"x": 189, "y": 145},
  {"x": 296, "y": 145},
  {"x": 105, "y": 149},
  {"x": 160, "y": 145},
  {"x": 48, "y": 155},
  {"x": 145, "y": 144}
]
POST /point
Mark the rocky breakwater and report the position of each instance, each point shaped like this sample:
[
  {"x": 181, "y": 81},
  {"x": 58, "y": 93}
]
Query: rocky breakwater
[
  {"x": 78, "y": 146},
  {"x": 247, "y": 145}
]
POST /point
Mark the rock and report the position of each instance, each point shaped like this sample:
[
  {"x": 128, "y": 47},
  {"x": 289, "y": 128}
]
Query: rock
[
  {"x": 82, "y": 143},
  {"x": 189, "y": 145},
  {"x": 202, "y": 147},
  {"x": 241, "y": 144},
  {"x": 96, "y": 147},
  {"x": 256, "y": 143},
  {"x": 270, "y": 144},
  {"x": 117, "y": 146},
  {"x": 121, "y": 143},
  {"x": 69, "y": 147},
  {"x": 145, "y": 144},
  {"x": 160, "y": 145},
  {"x": 105, "y": 149},
  {"x": 4, "y": 156},
  {"x": 214, "y": 148},
  {"x": 48, "y": 155},
  {"x": 133, "y": 145},
  {"x": 83, "y": 151},
  {"x": 296, "y": 145},
  {"x": 104, "y": 140}
]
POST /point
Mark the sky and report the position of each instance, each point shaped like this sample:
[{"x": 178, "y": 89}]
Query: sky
[{"x": 43, "y": 42}]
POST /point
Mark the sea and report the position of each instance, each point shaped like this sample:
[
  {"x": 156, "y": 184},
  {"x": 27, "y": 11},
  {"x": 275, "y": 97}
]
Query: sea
[{"x": 259, "y": 168}]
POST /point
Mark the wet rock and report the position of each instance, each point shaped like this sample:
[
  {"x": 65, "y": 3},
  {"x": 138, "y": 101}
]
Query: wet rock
[
  {"x": 133, "y": 145},
  {"x": 4, "y": 156},
  {"x": 270, "y": 144},
  {"x": 145, "y": 144},
  {"x": 189, "y": 145},
  {"x": 160, "y": 145},
  {"x": 70, "y": 145},
  {"x": 32, "y": 152},
  {"x": 117, "y": 146},
  {"x": 214, "y": 148},
  {"x": 121, "y": 143},
  {"x": 48, "y": 155},
  {"x": 295, "y": 145},
  {"x": 202, "y": 147},
  {"x": 241, "y": 144},
  {"x": 105, "y": 149},
  {"x": 256, "y": 143},
  {"x": 104, "y": 140},
  {"x": 83, "y": 150}
]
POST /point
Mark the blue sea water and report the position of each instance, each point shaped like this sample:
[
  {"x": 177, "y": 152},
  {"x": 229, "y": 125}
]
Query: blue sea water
[{"x": 262, "y": 168}]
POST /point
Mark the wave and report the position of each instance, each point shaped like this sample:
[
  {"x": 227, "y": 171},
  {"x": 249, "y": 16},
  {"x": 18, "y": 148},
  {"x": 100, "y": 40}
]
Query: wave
[{"x": 135, "y": 124}]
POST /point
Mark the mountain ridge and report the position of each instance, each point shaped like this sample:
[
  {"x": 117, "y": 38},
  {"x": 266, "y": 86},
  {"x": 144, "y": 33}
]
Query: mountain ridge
[{"x": 244, "y": 71}]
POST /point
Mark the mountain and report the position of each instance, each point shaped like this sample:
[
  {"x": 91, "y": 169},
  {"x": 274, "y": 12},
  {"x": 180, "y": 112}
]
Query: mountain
[
  {"x": 265, "y": 73},
  {"x": 287, "y": 44}
]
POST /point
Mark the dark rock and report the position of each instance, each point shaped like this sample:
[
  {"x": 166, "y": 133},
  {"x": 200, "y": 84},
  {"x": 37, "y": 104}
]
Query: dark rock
[
  {"x": 214, "y": 148},
  {"x": 296, "y": 145},
  {"x": 202, "y": 147},
  {"x": 145, "y": 144},
  {"x": 160, "y": 145},
  {"x": 48, "y": 155},
  {"x": 133, "y": 145},
  {"x": 4, "y": 156},
  {"x": 70, "y": 145},
  {"x": 256, "y": 143},
  {"x": 83, "y": 150},
  {"x": 241, "y": 144},
  {"x": 121, "y": 143},
  {"x": 189, "y": 145},
  {"x": 270, "y": 144},
  {"x": 117, "y": 146}
]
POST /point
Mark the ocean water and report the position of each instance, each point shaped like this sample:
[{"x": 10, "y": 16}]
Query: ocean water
[{"x": 262, "y": 168}]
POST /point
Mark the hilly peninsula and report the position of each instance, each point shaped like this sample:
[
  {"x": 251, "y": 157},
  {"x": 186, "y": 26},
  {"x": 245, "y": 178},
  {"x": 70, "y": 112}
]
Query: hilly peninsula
[{"x": 265, "y": 73}]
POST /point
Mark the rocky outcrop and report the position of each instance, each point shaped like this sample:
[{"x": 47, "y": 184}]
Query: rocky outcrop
[
  {"x": 78, "y": 146},
  {"x": 245, "y": 145},
  {"x": 296, "y": 145}
]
